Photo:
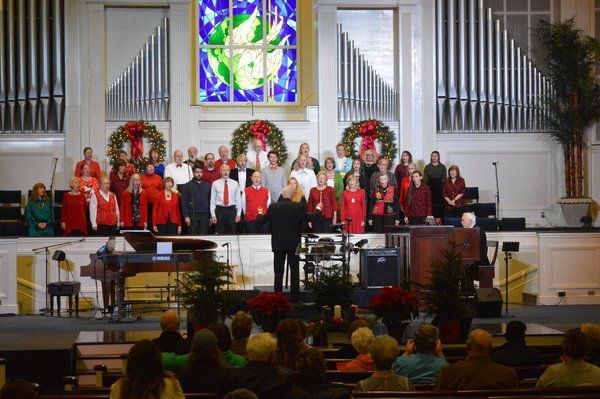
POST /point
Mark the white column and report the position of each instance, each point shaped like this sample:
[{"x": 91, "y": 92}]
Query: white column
[
  {"x": 93, "y": 72},
  {"x": 179, "y": 41},
  {"x": 426, "y": 49},
  {"x": 327, "y": 53},
  {"x": 8, "y": 276}
]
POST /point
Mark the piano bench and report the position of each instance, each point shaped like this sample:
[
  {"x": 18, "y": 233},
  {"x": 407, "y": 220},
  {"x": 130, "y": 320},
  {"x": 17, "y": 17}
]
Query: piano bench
[{"x": 64, "y": 288}]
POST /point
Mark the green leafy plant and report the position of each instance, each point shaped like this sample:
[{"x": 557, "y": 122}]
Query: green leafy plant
[
  {"x": 203, "y": 291},
  {"x": 574, "y": 104},
  {"x": 331, "y": 287}
]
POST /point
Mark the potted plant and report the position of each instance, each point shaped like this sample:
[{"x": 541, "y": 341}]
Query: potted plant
[
  {"x": 444, "y": 298},
  {"x": 574, "y": 105},
  {"x": 203, "y": 292},
  {"x": 396, "y": 308},
  {"x": 268, "y": 309},
  {"x": 331, "y": 287}
]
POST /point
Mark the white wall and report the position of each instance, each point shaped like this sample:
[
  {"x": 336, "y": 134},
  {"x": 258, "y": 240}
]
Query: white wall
[{"x": 127, "y": 29}]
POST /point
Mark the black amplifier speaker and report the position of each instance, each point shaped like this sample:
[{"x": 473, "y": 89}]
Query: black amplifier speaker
[
  {"x": 489, "y": 302},
  {"x": 380, "y": 267}
]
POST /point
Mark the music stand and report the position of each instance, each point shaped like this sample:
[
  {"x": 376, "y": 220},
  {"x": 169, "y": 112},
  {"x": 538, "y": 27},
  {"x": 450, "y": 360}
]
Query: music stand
[{"x": 508, "y": 247}]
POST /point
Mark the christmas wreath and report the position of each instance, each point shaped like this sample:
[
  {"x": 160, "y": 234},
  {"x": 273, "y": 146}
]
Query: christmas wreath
[
  {"x": 262, "y": 130},
  {"x": 370, "y": 131},
  {"x": 134, "y": 132}
]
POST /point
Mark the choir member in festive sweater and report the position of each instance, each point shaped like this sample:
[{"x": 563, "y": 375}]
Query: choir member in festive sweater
[
  {"x": 152, "y": 184},
  {"x": 353, "y": 207},
  {"x": 134, "y": 205},
  {"x": 255, "y": 197},
  {"x": 454, "y": 190},
  {"x": 166, "y": 216},
  {"x": 419, "y": 201},
  {"x": 104, "y": 210},
  {"x": 94, "y": 170},
  {"x": 325, "y": 195},
  {"x": 404, "y": 185},
  {"x": 401, "y": 170},
  {"x": 384, "y": 205},
  {"x": 87, "y": 184},
  {"x": 119, "y": 178},
  {"x": 72, "y": 215}
]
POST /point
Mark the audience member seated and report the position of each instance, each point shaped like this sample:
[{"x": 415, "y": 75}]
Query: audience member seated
[
  {"x": 515, "y": 352},
  {"x": 289, "y": 343},
  {"x": 477, "y": 371},
  {"x": 384, "y": 351},
  {"x": 144, "y": 376},
  {"x": 170, "y": 340},
  {"x": 423, "y": 358},
  {"x": 259, "y": 376},
  {"x": 592, "y": 333},
  {"x": 574, "y": 370},
  {"x": 73, "y": 221},
  {"x": 224, "y": 343},
  {"x": 94, "y": 167},
  {"x": 310, "y": 381},
  {"x": 241, "y": 327},
  {"x": 362, "y": 340},
  {"x": 203, "y": 371},
  {"x": 347, "y": 351},
  {"x": 240, "y": 394},
  {"x": 18, "y": 389},
  {"x": 39, "y": 212}
]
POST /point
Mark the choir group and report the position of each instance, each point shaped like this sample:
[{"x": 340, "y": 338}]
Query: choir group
[{"x": 224, "y": 196}]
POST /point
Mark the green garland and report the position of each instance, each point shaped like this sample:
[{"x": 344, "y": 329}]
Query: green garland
[
  {"x": 119, "y": 138},
  {"x": 385, "y": 137},
  {"x": 274, "y": 138}
]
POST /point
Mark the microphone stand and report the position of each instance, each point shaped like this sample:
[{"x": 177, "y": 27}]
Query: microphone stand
[
  {"x": 193, "y": 213},
  {"x": 47, "y": 249},
  {"x": 52, "y": 181},
  {"x": 497, "y": 191}
]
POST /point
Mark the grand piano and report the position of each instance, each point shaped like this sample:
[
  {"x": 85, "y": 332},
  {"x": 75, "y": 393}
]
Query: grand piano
[
  {"x": 422, "y": 245},
  {"x": 112, "y": 269}
]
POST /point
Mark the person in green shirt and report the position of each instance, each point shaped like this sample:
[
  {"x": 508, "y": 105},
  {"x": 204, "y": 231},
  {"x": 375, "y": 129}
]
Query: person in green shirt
[{"x": 39, "y": 212}]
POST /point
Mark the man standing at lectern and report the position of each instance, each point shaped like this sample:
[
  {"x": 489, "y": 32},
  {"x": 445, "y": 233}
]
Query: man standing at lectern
[
  {"x": 469, "y": 221},
  {"x": 287, "y": 219}
]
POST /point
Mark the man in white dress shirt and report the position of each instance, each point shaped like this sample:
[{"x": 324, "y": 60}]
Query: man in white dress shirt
[
  {"x": 179, "y": 171},
  {"x": 225, "y": 203},
  {"x": 306, "y": 177},
  {"x": 257, "y": 157}
]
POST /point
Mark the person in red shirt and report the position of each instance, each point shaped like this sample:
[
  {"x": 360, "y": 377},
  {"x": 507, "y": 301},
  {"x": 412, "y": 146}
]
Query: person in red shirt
[
  {"x": 73, "y": 221},
  {"x": 384, "y": 208},
  {"x": 401, "y": 170},
  {"x": 104, "y": 210},
  {"x": 87, "y": 184},
  {"x": 95, "y": 171},
  {"x": 354, "y": 206},
  {"x": 255, "y": 197},
  {"x": 419, "y": 201},
  {"x": 404, "y": 185},
  {"x": 210, "y": 173},
  {"x": 224, "y": 159},
  {"x": 134, "y": 205},
  {"x": 129, "y": 166},
  {"x": 119, "y": 179},
  {"x": 454, "y": 190},
  {"x": 152, "y": 184},
  {"x": 166, "y": 215},
  {"x": 322, "y": 197}
]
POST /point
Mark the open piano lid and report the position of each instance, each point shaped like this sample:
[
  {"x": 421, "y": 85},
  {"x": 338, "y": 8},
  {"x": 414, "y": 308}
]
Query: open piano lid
[{"x": 146, "y": 241}]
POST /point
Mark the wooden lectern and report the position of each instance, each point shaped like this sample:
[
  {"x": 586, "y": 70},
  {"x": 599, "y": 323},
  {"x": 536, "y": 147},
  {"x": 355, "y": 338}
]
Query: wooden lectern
[{"x": 422, "y": 245}]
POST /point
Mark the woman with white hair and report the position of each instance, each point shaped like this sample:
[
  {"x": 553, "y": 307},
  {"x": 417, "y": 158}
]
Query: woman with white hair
[
  {"x": 362, "y": 340},
  {"x": 134, "y": 205}
]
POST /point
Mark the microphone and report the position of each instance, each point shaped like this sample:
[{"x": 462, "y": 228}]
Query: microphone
[
  {"x": 495, "y": 163},
  {"x": 56, "y": 159},
  {"x": 227, "y": 244},
  {"x": 108, "y": 248}
]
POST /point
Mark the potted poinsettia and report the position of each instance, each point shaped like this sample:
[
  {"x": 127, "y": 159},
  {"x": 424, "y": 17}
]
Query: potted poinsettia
[
  {"x": 268, "y": 309},
  {"x": 396, "y": 308}
]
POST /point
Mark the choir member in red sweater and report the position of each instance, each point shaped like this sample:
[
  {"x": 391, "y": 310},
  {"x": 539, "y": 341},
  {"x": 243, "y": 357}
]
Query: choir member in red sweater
[
  {"x": 119, "y": 178},
  {"x": 87, "y": 184},
  {"x": 166, "y": 215},
  {"x": 454, "y": 190},
  {"x": 210, "y": 173},
  {"x": 401, "y": 170},
  {"x": 354, "y": 206},
  {"x": 152, "y": 184},
  {"x": 419, "y": 201},
  {"x": 403, "y": 189},
  {"x": 95, "y": 171},
  {"x": 384, "y": 208},
  {"x": 104, "y": 210},
  {"x": 255, "y": 197},
  {"x": 72, "y": 215},
  {"x": 224, "y": 159},
  {"x": 129, "y": 166},
  {"x": 323, "y": 197},
  {"x": 134, "y": 205}
]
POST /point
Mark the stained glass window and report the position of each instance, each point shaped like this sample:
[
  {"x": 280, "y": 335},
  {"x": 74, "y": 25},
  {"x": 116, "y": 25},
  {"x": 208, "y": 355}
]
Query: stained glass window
[{"x": 247, "y": 51}]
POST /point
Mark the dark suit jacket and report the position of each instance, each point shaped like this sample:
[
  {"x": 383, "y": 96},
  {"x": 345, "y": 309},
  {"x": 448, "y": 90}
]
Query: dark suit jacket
[
  {"x": 234, "y": 176},
  {"x": 170, "y": 341},
  {"x": 483, "y": 257},
  {"x": 476, "y": 372},
  {"x": 264, "y": 380},
  {"x": 287, "y": 219},
  {"x": 517, "y": 354}
]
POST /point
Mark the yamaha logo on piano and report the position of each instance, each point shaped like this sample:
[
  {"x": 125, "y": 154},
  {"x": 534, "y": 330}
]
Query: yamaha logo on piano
[{"x": 161, "y": 258}]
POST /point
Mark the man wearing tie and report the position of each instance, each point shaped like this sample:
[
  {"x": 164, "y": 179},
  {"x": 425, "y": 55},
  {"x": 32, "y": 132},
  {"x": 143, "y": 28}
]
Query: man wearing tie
[
  {"x": 257, "y": 157},
  {"x": 179, "y": 171},
  {"x": 225, "y": 202},
  {"x": 242, "y": 174}
]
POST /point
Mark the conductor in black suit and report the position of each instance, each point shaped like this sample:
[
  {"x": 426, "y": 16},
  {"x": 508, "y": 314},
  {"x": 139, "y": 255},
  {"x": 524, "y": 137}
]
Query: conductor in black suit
[
  {"x": 242, "y": 174},
  {"x": 469, "y": 221},
  {"x": 287, "y": 219}
]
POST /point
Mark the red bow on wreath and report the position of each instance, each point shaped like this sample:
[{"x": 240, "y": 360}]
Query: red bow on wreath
[
  {"x": 368, "y": 132},
  {"x": 135, "y": 134},
  {"x": 260, "y": 130}
]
